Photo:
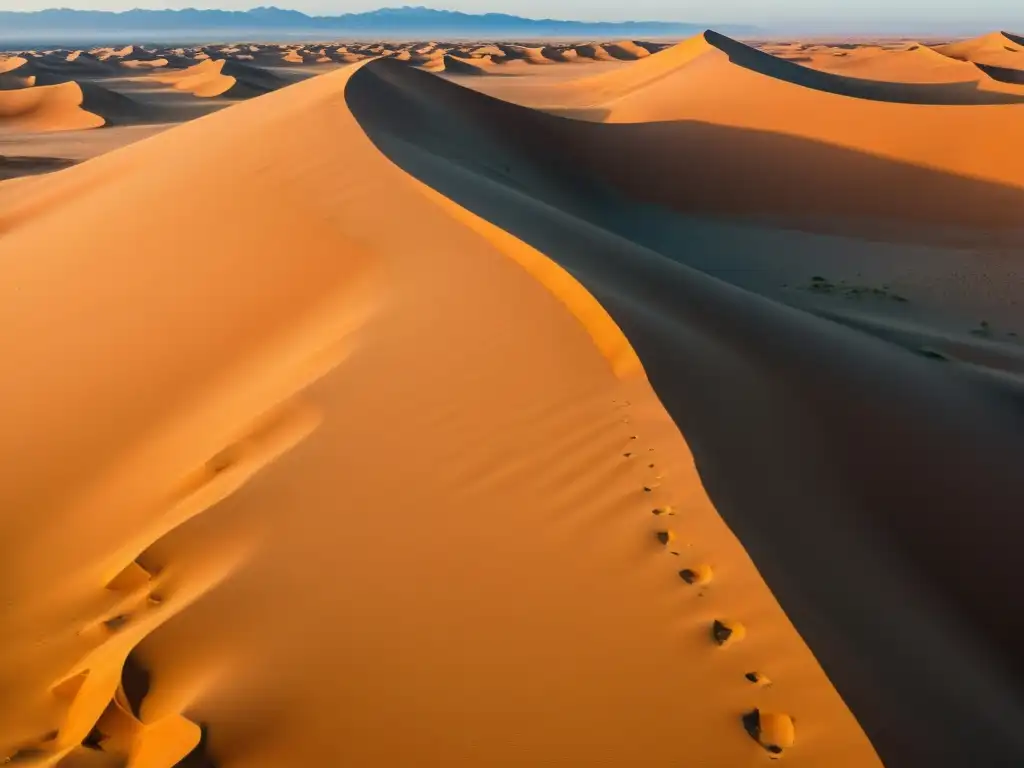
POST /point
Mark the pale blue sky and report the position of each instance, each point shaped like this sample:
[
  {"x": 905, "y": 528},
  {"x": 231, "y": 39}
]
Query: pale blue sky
[{"x": 988, "y": 14}]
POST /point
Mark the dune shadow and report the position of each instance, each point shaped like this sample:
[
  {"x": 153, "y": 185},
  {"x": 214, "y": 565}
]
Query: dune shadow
[
  {"x": 551, "y": 53},
  {"x": 879, "y": 496},
  {"x": 1003, "y": 74},
  {"x": 164, "y": 104},
  {"x": 11, "y": 167},
  {"x": 1013, "y": 38},
  {"x": 135, "y": 681}
]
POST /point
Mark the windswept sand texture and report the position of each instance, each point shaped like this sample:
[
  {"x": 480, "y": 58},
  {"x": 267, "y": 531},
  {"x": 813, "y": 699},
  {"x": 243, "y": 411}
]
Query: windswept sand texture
[{"x": 513, "y": 404}]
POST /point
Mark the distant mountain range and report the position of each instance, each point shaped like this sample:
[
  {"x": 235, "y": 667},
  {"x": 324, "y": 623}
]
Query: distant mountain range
[{"x": 408, "y": 22}]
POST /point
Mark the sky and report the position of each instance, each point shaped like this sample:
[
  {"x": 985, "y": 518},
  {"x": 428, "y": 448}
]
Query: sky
[{"x": 849, "y": 14}]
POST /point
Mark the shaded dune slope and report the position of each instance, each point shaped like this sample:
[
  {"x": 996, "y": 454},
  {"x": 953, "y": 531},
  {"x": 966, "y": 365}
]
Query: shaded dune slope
[
  {"x": 836, "y": 446},
  {"x": 15, "y": 166},
  {"x": 13, "y": 81},
  {"x": 594, "y": 51},
  {"x": 51, "y": 69},
  {"x": 301, "y": 550},
  {"x": 456, "y": 65}
]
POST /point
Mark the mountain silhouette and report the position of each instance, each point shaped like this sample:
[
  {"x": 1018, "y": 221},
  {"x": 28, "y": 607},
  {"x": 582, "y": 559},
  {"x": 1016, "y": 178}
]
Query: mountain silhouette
[{"x": 62, "y": 23}]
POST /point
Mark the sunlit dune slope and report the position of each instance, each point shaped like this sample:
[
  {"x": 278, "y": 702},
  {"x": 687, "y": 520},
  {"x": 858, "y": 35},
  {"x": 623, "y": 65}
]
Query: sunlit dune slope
[
  {"x": 158, "y": 63},
  {"x": 254, "y": 445}
]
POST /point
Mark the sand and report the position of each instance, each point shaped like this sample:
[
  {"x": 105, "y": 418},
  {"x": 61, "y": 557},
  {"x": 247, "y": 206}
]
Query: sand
[
  {"x": 917, "y": 63},
  {"x": 374, "y": 420},
  {"x": 46, "y": 108}
]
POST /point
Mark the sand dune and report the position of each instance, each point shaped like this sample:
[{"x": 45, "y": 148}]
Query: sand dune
[
  {"x": 293, "y": 57},
  {"x": 561, "y": 55},
  {"x": 46, "y": 108},
  {"x": 531, "y": 55},
  {"x": 145, "y": 63},
  {"x": 50, "y": 69},
  {"x": 557, "y": 161},
  {"x": 480, "y": 50},
  {"x": 997, "y": 49},
  {"x": 66, "y": 106},
  {"x": 915, "y": 64},
  {"x": 411, "y": 425},
  {"x": 11, "y": 63},
  {"x": 11, "y": 81},
  {"x": 317, "y": 349},
  {"x": 715, "y": 58},
  {"x": 711, "y": 79},
  {"x": 594, "y": 51},
  {"x": 455, "y": 65},
  {"x": 627, "y": 50},
  {"x": 221, "y": 77}
]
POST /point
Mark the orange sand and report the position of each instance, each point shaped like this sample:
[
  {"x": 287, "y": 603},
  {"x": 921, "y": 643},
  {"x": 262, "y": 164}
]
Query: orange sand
[
  {"x": 474, "y": 558},
  {"x": 46, "y": 108},
  {"x": 330, "y": 439}
]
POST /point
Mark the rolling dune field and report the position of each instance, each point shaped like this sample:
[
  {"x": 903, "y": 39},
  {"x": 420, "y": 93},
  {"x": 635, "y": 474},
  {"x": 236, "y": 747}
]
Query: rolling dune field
[{"x": 513, "y": 404}]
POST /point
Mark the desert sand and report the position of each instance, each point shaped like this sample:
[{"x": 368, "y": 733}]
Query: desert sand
[{"x": 512, "y": 404}]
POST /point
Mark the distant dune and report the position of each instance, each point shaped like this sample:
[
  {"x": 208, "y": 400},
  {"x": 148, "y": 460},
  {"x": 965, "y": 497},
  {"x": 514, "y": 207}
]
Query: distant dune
[
  {"x": 221, "y": 77},
  {"x": 999, "y": 49},
  {"x": 712, "y": 79},
  {"x": 54, "y": 107},
  {"x": 916, "y": 63},
  {"x": 512, "y": 402},
  {"x": 458, "y": 66},
  {"x": 720, "y": 61}
]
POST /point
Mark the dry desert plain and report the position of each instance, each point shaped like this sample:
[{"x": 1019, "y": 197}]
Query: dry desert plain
[{"x": 513, "y": 405}]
